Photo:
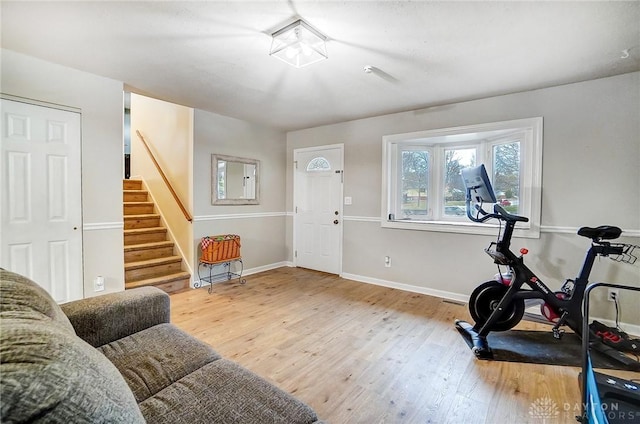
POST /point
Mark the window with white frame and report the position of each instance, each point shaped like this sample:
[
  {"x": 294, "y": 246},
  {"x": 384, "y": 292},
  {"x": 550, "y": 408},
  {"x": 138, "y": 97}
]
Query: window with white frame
[{"x": 423, "y": 188}]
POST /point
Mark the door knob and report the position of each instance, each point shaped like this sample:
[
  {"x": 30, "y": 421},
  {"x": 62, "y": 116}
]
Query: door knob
[{"x": 335, "y": 221}]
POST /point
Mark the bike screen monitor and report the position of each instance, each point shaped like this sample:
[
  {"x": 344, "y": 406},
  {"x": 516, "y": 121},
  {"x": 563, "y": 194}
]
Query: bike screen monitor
[{"x": 478, "y": 186}]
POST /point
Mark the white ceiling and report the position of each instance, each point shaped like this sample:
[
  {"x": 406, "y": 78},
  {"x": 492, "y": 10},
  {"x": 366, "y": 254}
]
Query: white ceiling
[{"x": 213, "y": 55}]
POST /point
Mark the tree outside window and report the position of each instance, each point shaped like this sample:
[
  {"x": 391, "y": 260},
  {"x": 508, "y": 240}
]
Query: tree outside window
[
  {"x": 455, "y": 160},
  {"x": 423, "y": 187},
  {"x": 506, "y": 175},
  {"x": 415, "y": 180}
]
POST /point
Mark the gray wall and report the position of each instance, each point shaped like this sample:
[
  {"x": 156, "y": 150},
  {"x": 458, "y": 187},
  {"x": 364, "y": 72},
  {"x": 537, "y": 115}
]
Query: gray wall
[
  {"x": 260, "y": 227},
  {"x": 168, "y": 130},
  {"x": 590, "y": 177},
  {"x": 100, "y": 100}
]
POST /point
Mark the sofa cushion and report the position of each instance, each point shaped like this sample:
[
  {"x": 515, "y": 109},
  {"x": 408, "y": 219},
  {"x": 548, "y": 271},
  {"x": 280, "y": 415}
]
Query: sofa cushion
[
  {"x": 48, "y": 374},
  {"x": 102, "y": 319},
  {"x": 224, "y": 392},
  {"x": 153, "y": 359},
  {"x": 21, "y": 297}
]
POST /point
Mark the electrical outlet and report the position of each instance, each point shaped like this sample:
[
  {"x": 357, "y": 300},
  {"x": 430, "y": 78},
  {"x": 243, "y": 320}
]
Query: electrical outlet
[
  {"x": 613, "y": 295},
  {"x": 387, "y": 261},
  {"x": 98, "y": 283}
]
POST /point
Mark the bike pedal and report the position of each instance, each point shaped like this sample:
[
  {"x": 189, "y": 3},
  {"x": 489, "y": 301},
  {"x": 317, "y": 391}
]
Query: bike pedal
[{"x": 558, "y": 333}]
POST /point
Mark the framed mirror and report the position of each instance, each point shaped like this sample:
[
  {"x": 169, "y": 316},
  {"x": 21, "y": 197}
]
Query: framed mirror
[{"x": 234, "y": 180}]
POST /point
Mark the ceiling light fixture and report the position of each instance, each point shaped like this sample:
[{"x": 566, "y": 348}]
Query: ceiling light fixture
[{"x": 298, "y": 44}]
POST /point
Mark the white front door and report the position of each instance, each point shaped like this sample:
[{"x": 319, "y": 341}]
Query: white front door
[
  {"x": 41, "y": 213},
  {"x": 318, "y": 208}
]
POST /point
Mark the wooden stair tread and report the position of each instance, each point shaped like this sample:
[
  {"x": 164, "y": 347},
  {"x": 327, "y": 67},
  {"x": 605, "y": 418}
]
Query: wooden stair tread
[
  {"x": 135, "y": 195},
  {"x": 150, "y": 245},
  {"x": 152, "y": 262},
  {"x": 145, "y": 230},
  {"x": 138, "y": 208},
  {"x": 142, "y": 216},
  {"x": 149, "y": 256},
  {"x": 130, "y": 180},
  {"x": 158, "y": 280}
]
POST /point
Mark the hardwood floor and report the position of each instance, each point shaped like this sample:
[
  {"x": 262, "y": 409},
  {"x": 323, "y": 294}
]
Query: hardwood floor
[{"x": 359, "y": 353}]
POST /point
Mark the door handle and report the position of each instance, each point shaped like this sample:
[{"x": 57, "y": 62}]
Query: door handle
[{"x": 335, "y": 221}]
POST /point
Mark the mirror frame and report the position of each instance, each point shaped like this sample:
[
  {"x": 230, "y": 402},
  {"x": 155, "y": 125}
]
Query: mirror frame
[{"x": 214, "y": 180}]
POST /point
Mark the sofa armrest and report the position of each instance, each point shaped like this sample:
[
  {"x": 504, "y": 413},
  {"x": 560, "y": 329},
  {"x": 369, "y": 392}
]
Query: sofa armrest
[{"x": 103, "y": 319}]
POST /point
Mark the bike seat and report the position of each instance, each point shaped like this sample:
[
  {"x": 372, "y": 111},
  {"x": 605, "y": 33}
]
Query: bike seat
[{"x": 603, "y": 232}]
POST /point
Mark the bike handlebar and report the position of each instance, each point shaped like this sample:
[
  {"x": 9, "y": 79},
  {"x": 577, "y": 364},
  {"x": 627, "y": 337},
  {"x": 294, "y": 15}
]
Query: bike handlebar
[
  {"x": 508, "y": 216},
  {"x": 498, "y": 212},
  {"x": 596, "y": 234}
]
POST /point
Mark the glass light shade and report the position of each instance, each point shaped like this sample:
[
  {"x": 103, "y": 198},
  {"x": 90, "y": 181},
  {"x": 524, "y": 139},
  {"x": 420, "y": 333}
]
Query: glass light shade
[{"x": 298, "y": 44}]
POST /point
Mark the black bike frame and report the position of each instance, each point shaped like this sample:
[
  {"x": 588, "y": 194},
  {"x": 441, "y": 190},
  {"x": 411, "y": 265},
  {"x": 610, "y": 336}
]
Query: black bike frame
[{"x": 569, "y": 310}]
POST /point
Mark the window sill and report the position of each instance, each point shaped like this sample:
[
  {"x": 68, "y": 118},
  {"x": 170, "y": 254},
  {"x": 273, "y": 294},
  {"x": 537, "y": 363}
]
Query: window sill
[{"x": 527, "y": 230}]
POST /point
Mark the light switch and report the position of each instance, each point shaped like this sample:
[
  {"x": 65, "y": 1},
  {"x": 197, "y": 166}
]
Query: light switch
[{"x": 347, "y": 200}]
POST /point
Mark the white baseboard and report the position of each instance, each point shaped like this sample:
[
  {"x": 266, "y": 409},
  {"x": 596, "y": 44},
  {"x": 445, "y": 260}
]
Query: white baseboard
[
  {"x": 362, "y": 279},
  {"x": 533, "y": 309},
  {"x": 247, "y": 272},
  {"x": 407, "y": 287}
]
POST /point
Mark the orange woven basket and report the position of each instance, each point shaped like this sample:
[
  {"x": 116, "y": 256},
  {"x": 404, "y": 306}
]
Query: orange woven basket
[{"x": 222, "y": 248}]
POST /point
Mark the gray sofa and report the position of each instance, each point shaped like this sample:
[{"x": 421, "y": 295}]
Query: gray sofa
[{"x": 116, "y": 359}]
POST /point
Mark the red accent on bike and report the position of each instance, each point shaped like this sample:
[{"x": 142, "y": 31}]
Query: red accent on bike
[
  {"x": 524, "y": 251},
  {"x": 548, "y": 312},
  {"x": 612, "y": 337}
]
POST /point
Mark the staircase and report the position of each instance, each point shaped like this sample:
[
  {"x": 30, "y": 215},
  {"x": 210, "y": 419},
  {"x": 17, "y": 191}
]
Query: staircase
[{"x": 148, "y": 255}]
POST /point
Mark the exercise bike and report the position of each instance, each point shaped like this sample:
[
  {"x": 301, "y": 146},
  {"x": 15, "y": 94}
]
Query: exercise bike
[{"x": 499, "y": 304}]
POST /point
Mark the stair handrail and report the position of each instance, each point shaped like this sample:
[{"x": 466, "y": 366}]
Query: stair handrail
[{"x": 186, "y": 213}]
